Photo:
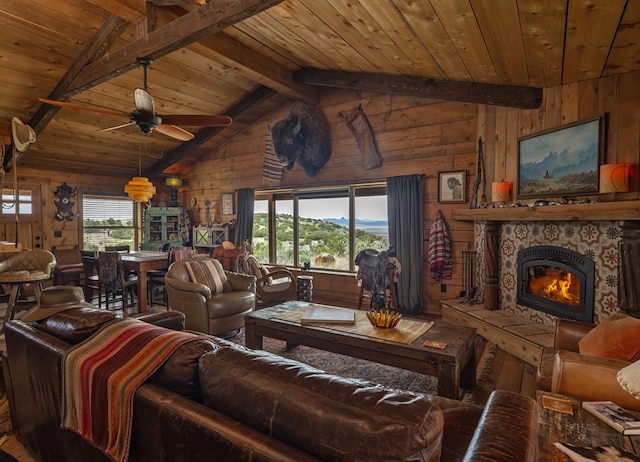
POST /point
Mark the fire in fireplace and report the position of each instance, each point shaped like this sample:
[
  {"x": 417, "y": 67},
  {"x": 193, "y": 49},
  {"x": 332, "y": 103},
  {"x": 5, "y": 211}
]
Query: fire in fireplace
[{"x": 556, "y": 281}]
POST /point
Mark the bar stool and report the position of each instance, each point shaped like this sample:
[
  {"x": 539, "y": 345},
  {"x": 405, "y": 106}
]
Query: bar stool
[{"x": 25, "y": 267}]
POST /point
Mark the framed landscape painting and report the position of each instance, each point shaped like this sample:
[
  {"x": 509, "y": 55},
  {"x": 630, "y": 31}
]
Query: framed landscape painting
[{"x": 563, "y": 161}]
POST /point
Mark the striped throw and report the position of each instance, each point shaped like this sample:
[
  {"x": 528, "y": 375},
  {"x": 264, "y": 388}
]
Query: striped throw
[{"x": 101, "y": 375}]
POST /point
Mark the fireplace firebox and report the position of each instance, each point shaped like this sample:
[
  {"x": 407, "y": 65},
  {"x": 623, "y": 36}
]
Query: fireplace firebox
[{"x": 556, "y": 281}]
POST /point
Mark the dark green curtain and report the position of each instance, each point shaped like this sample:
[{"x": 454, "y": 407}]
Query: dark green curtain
[
  {"x": 405, "y": 211},
  {"x": 244, "y": 221}
]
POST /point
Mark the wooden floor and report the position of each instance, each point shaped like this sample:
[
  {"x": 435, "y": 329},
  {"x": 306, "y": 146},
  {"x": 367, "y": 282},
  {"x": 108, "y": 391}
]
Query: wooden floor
[{"x": 507, "y": 373}]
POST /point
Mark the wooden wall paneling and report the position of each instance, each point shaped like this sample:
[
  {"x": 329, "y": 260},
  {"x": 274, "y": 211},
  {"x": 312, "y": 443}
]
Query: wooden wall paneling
[
  {"x": 570, "y": 103},
  {"x": 511, "y": 147},
  {"x": 588, "y": 99},
  {"x": 628, "y": 122},
  {"x": 552, "y": 107},
  {"x": 500, "y": 146}
]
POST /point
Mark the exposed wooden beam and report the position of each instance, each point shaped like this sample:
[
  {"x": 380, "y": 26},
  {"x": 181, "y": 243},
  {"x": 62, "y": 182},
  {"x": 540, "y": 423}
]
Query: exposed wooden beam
[
  {"x": 259, "y": 68},
  {"x": 95, "y": 49},
  {"x": 190, "y": 28},
  {"x": 132, "y": 11},
  {"x": 253, "y": 65},
  {"x": 482, "y": 93},
  {"x": 207, "y": 133}
]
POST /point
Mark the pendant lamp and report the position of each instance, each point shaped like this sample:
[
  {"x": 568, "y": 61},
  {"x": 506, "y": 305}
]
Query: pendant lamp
[{"x": 139, "y": 188}]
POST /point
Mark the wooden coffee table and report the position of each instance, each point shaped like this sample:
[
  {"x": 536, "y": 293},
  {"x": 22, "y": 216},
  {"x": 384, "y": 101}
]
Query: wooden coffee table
[
  {"x": 579, "y": 428},
  {"x": 454, "y": 366}
]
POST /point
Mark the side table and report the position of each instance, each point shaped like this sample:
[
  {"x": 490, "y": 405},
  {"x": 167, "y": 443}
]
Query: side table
[
  {"x": 304, "y": 288},
  {"x": 579, "y": 428}
]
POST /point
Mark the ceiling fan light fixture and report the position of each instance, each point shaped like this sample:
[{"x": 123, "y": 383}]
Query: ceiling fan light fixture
[{"x": 140, "y": 189}]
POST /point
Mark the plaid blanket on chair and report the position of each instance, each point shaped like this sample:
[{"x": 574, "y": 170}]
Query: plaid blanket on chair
[{"x": 101, "y": 375}]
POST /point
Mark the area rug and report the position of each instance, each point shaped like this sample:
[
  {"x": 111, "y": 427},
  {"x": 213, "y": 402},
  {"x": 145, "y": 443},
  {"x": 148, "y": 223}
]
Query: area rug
[{"x": 389, "y": 376}]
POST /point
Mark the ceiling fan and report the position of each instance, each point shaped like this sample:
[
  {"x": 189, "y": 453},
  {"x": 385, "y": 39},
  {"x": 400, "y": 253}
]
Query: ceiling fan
[{"x": 146, "y": 117}]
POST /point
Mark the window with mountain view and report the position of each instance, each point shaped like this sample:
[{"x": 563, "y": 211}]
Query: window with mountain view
[{"x": 325, "y": 227}]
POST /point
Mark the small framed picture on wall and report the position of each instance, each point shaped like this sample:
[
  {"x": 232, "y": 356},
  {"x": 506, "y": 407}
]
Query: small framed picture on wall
[
  {"x": 227, "y": 203},
  {"x": 452, "y": 186}
]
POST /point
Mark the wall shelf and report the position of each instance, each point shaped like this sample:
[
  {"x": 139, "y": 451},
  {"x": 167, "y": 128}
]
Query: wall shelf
[{"x": 620, "y": 210}]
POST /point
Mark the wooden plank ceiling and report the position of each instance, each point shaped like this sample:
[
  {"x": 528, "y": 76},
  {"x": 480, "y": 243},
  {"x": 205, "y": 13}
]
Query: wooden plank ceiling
[{"x": 244, "y": 58}]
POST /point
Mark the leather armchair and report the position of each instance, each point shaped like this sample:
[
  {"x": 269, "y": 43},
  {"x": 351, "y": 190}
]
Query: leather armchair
[
  {"x": 204, "y": 309},
  {"x": 563, "y": 369}
]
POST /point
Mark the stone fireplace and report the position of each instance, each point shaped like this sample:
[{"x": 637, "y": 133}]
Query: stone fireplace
[
  {"x": 596, "y": 241},
  {"x": 556, "y": 281}
]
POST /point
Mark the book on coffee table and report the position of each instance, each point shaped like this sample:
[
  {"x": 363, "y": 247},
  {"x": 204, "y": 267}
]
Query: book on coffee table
[
  {"x": 617, "y": 417},
  {"x": 327, "y": 315}
]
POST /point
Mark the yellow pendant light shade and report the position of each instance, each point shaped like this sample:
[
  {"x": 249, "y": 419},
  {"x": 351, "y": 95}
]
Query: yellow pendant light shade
[{"x": 140, "y": 189}]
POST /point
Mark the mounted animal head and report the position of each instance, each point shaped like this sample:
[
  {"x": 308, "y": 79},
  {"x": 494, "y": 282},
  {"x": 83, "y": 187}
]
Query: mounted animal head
[{"x": 302, "y": 136}]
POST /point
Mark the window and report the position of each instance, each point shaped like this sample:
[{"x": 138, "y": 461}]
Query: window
[
  {"x": 325, "y": 227},
  {"x": 107, "y": 221},
  {"x": 25, "y": 202}
]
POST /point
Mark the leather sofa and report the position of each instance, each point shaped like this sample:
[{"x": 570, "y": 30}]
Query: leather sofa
[
  {"x": 564, "y": 370},
  {"x": 207, "y": 310},
  {"x": 213, "y": 400}
]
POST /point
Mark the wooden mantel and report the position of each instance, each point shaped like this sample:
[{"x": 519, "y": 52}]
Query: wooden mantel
[{"x": 595, "y": 211}]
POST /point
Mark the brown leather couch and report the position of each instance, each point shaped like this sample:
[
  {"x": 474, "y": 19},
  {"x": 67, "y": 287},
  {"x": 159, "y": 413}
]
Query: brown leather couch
[
  {"x": 563, "y": 369},
  {"x": 216, "y": 401},
  {"x": 208, "y": 311}
]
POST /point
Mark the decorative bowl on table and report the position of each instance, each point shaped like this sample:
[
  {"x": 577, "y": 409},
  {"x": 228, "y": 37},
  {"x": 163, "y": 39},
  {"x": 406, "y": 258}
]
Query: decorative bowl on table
[{"x": 384, "y": 319}]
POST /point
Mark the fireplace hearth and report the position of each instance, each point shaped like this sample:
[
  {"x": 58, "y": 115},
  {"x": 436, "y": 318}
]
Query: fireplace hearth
[{"x": 556, "y": 281}]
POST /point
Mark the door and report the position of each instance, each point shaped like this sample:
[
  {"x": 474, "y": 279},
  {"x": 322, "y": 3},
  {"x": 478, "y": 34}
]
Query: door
[{"x": 26, "y": 225}]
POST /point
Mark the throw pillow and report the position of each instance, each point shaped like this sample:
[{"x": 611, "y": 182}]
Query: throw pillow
[
  {"x": 210, "y": 273},
  {"x": 629, "y": 379},
  {"x": 616, "y": 337}
]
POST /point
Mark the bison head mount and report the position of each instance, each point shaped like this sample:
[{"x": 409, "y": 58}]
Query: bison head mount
[{"x": 302, "y": 136}]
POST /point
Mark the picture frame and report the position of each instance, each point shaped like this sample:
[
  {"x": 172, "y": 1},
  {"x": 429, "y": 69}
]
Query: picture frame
[
  {"x": 452, "y": 186},
  {"x": 563, "y": 161},
  {"x": 227, "y": 203}
]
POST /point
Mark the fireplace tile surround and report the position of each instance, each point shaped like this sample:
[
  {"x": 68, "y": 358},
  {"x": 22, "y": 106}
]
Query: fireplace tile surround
[{"x": 597, "y": 240}]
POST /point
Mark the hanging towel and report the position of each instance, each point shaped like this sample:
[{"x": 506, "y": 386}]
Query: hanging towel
[{"x": 440, "y": 262}]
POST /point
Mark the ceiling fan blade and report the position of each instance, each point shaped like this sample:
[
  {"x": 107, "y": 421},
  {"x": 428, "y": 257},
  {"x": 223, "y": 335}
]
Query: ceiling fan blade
[
  {"x": 116, "y": 127},
  {"x": 174, "y": 132},
  {"x": 82, "y": 108},
  {"x": 144, "y": 101},
  {"x": 198, "y": 120}
]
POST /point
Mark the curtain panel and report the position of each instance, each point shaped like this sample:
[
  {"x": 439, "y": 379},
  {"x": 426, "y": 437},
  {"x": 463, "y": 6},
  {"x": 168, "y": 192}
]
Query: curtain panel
[
  {"x": 244, "y": 220},
  {"x": 405, "y": 202}
]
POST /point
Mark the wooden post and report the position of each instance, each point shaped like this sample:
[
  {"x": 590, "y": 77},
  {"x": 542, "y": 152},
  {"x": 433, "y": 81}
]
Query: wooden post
[
  {"x": 491, "y": 241},
  {"x": 629, "y": 267}
]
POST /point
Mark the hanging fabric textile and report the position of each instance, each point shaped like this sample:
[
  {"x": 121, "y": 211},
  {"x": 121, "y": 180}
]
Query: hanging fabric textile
[
  {"x": 440, "y": 262},
  {"x": 271, "y": 168},
  {"x": 185, "y": 227}
]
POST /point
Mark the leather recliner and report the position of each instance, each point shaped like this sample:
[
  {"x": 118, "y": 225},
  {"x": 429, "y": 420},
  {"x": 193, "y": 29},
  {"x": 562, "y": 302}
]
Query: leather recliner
[
  {"x": 563, "y": 369},
  {"x": 207, "y": 310}
]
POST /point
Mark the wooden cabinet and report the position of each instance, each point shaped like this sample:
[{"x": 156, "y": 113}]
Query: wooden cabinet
[{"x": 162, "y": 226}]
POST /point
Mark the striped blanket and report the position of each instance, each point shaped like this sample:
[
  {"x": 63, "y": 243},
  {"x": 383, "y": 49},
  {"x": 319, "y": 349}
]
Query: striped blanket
[
  {"x": 101, "y": 375},
  {"x": 440, "y": 262}
]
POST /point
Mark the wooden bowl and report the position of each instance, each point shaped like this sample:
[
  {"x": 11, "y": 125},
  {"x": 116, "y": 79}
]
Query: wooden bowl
[{"x": 384, "y": 319}]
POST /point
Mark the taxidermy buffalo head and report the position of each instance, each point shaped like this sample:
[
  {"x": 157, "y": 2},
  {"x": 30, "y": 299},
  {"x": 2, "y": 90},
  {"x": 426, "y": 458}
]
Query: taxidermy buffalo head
[{"x": 303, "y": 136}]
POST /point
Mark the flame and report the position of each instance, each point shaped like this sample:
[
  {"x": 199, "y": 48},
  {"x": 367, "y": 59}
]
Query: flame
[
  {"x": 555, "y": 284},
  {"x": 559, "y": 289}
]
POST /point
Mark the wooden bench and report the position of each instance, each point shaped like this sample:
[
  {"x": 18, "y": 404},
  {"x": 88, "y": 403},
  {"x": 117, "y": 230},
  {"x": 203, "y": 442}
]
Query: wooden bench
[{"x": 514, "y": 334}]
